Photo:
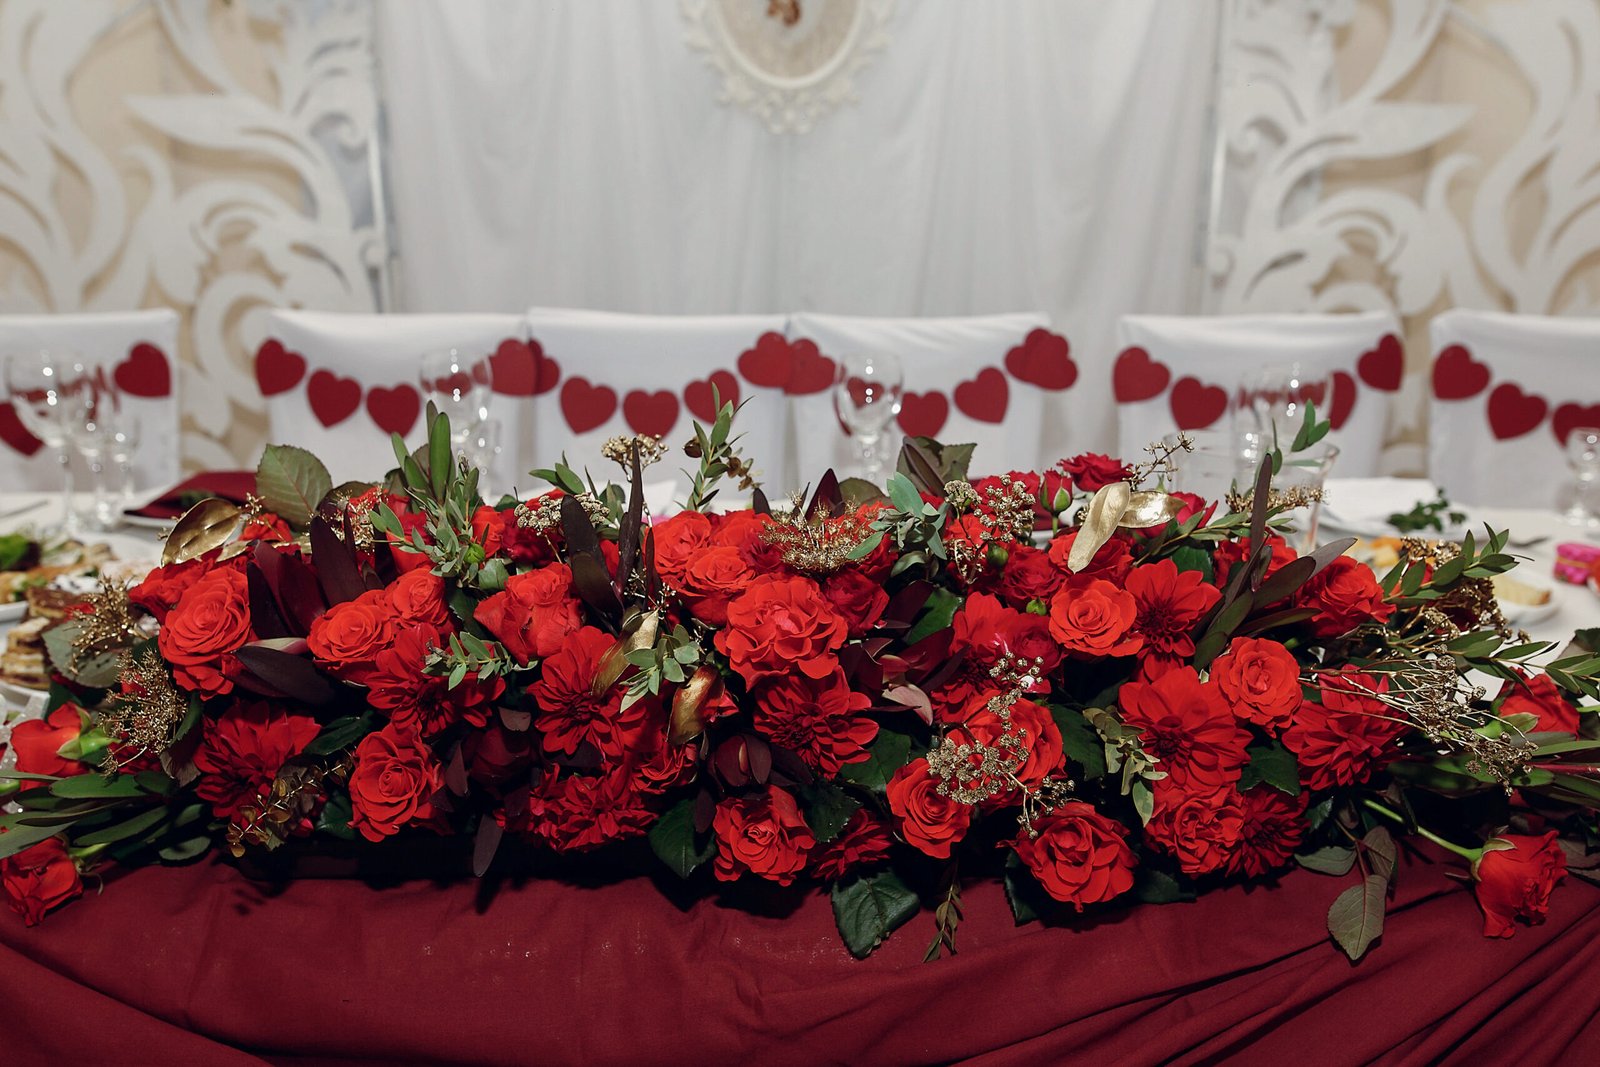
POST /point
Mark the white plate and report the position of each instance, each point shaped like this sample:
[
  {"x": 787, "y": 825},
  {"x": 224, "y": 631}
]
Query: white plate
[
  {"x": 144, "y": 522},
  {"x": 13, "y": 611},
  {"x": 1525, "y": 615}
]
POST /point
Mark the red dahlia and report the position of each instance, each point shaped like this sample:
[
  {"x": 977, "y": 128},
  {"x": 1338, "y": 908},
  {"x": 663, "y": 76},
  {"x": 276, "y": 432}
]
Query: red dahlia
[
  {"x": 1186, "y": 724},
  {"x": 819, "y": 719},
  {"x": 1343, "y": 739},
  {"x": 241, "y": 753},
  {"x": 1273, "y": 825},
  {"x": 571, "y": 713}
]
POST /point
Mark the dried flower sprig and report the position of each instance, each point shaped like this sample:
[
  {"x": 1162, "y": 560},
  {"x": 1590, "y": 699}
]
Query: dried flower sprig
[
  {"x": 293, "y": 795},
  {"x": 619, "y": 450},
  {"x": 817, "y": 543},
  {"x": 147, "y": 717}
]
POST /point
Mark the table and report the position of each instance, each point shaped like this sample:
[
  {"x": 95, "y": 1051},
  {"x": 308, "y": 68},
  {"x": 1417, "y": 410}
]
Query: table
[{"x": 200, "y": 964}]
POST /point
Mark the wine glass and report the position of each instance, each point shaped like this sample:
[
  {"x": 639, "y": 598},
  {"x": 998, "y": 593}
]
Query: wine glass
[
  {"x": 866, "y": 396},
  {"x": 1272, "y": 402},
  {"x": 96, "y": 421},
  {"x": 482, "y": 450},
  {"x": 458, "y": 384},
  {"x": 1583, "y": 459},
  {"x": 40, "y": 393}
]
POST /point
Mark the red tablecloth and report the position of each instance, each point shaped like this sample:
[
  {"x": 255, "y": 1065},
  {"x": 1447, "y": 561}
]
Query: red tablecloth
[{"x": 202, "y": 966}]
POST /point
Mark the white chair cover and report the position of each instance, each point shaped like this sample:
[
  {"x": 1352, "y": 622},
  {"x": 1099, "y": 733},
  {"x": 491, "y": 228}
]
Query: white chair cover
[
  {"x": 621, "y": 374},
  {"x": 978, "y": 379},
  {"x": 1178, "y": 372},
  {"x": 1506, "y": 391},
  {"x": 338, "y": 384},
  {"x": 139, "y": 350}
]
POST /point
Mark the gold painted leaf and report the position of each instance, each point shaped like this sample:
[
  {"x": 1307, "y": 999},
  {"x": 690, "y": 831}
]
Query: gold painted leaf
[
  {"x": 614, "y": 660},
  {"x": 209, "y": 524},
  {"x": 1149, "y": 508},
  {"x": 1100, "y": 521},
  {"x": 703, "y": 685}
]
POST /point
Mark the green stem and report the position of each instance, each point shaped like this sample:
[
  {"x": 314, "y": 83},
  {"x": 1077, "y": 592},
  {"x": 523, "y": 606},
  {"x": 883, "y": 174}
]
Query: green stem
[{"x": 1465, "y": 853}]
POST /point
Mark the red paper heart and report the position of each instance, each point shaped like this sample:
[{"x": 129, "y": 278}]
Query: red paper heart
[
  {"x": 1569, "y": 417},
  {"x": 1043, "y": 359},
  {"x": 333, "y": 399},
  {"x": 768, "y": 362},
  {"x": 698, "y": 399},
  {"x": 652, "y": 413},
  {"x": 1383, "y": 366},
  {"x": 1513, "y": 413},
  {"x": 1457, "y": 376},
  {"x": 586, "y": 406},
  {"x": 809, "y": 370},
  {"x": 1137, "y": 377},
  {"x": 520, "y": 368},
  {"x": 1196, "y": 405},
  {"x": 145, "y": 372},
  {"x": 984, "y": 397},
  {"x": 923, "y": 414},
  {"x": 394, "y": 410},
  {"x": 277, "y": 369},
  {"x": 13, "y": 433},
  {"x": 1344, "y": 399}
]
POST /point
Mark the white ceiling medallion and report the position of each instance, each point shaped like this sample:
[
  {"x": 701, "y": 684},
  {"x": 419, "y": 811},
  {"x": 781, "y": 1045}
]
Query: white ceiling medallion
[{"x": 789, "y": 62}]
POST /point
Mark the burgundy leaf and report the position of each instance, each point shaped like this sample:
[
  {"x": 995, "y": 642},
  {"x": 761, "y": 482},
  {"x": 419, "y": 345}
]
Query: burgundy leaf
[
  {"x": 338, "y": 571},
  {"x": 293, "y": 676}
]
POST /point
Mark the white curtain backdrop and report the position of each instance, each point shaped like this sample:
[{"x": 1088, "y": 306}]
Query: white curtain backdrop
[{"x": 1033, "y": 155}]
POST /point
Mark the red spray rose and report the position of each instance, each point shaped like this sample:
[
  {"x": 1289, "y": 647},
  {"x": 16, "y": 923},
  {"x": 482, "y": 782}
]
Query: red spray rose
[
  {"x": 1186, "y": 724},
  {"x": 1079, "y": 856},
  {"x": 820, "y": 719},
  {"x": 488, "y": 530},
  {"x": 418, "y": 597},
  {"x": 1095, "y": 620},
  {"x": 678, "y": 541},
  {"x": 266, "y": 527},
  {"x": 37, "y": 742},
  {"x": 1092, "y": 471},
  {"x": 1345, "y": 595},
  {"x": 780, "y": 625},
  {"x": 163, "y": 587},
  {"x": 39, "y": 878},
  {"x": 210, "y": 622},
  {"x": 242, "y": 752},
  {"x": 1261, "y": 680},
  {"x": 1343, "y": 739},
  {"x": 348, "y": 637},
  {"x": 1200, "y": 829},
  {"x": 859, "y": 600},
  {"x": 1028, "y": 575},
  {"x": 1537, "y": 695},
  {"x": 712, "y": 578},
  {"x": 1516, "y": 882},
  {"x": 864, "y": 841},
  {"x": 394, "y": 783},
  {"x": 534, "y": 613},
  {"x": 929, "y": 822},
  {"x": 763, "y": 834}
]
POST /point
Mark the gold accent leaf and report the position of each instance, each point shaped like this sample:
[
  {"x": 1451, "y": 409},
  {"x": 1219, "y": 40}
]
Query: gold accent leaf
[
  {"x": 703, "y": 685},
  {"x": 615, "y": 659},
  {"x": 1100, "y": 521},
  {"x": 209, "y": 524},
  {"x": 1149, "y": 508}
]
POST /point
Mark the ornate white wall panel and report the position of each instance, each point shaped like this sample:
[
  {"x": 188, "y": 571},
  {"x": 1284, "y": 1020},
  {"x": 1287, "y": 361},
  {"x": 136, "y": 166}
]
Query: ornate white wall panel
[{"x": 215, "y": 158}]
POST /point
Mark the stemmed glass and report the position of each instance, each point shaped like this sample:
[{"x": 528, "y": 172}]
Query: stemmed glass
[
  {"x": 458, "y": 384},
  {"x": 866, "y": 396},
  {"x": 1272, "y": 403},
  {"x": 41, "y": 392},
  {"x": 102, "y": 431},
  {"x": 1583, "y": 459}
]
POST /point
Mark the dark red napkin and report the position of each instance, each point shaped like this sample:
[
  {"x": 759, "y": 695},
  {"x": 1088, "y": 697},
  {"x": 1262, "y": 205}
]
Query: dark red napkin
[{"x": 229, "y": 485}]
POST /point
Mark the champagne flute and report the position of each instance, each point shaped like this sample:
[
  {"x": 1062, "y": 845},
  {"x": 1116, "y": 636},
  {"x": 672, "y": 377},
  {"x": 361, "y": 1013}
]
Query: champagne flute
[
  {"x": 1583, "y": 459},
  {"x": 867, "y": 389},
  {"x": 40, "y": 393},
  {"x": 96, "y": 421},
  {"x": 457, "y": 382}
]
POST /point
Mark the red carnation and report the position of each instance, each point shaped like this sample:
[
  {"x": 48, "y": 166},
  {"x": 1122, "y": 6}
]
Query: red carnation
[
  {"x": 1537, "y": 695},
  {"x": 394, "y": 783},
  {"x": 1261, "y": 680},
  {"x": 201, "y": 634},
  {"x": 863, "y": 842},
  {"x": 762, "y": 834},
  {"x": 1096, "y": 620},
  {"x": 571, "y": 714},
  {"x": 929, "y": 821},
  {"x": 243, "y": 751},
  {"x": 1171, "y": 603},
  {"x": 39, "y": 878},
  {"x": 819, "y": 719},
  {"x": 348, "y": 637},
  {"x": 534, "y": 613},
  {"x": 1186, "y": 724},
  {"x": 780, "y": 625},
  {"x": 1200, "y": 829},
  {"x": 574, "y": 813},
  {"x": 1343, "y": 739},
  {"x": 1516, "y": 882},
  {"x": 1092, "y": 471},
  {"x": 1078, "y": 855},
  {"x": 1273, "y": 825},
  {"x": 1345, "y": 595},
  {"x": 37, "y": 742}
]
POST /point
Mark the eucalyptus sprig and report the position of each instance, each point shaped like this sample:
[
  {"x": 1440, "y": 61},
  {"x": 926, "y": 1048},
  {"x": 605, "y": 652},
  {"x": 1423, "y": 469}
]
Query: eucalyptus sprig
[
  {"x": 468, "y": 654},
  {"x": 718, "y": 455},
  {"x": 672, "y": 657},
  {"x": 914, "y": 525}
]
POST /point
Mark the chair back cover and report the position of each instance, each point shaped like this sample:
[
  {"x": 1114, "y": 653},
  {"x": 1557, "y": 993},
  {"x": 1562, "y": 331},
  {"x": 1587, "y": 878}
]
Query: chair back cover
[
  {"x": 613, "y": 374},
  {"x": 970, "y": 379},
  {"x": 1507, "y": 389},
  {"x": 138, "y": 349},
  {"x": 1181, "y": 372},
  {"x": 338, "y": 384}
]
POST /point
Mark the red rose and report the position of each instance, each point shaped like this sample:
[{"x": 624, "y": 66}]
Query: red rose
[
  {"x": 654, "y": 763},
  {"x": 1171, "y": 604},
  {"x": 864, "y": 841},
  {"x": 37, "y": 742},
  {"x": 1028, "y": 576},
  {"x": 242, "y": 752},
  {"x": 394, "y": 782},
  {"x": 745, "y": 530},
  {"x": 1030, "y": 722},
  {"x": 1516, "y": 882},
  {"x": 1193, "y": 504},
  {"x": 528, "y": 544},
  {"x": 1230, "y": 554},
  {"x": 779, "y": 625},
  {"x": 574, "y": 813},
  {"x": 858, "y": 599},
  {"x": 39, "y": 878},
  {"x": 1345, "y": 595},
  {"x": 1186, "y": 724},
  {"x": 819, "y": 719},
  {"x": 1273, "y": 825},
  {"x": 1092, "y": 471},
  {"x": 1096, "y": 620},
  {"x": 1200, "y": 829},
  {"x": 930, "y": 822},
  {"x": 348, "y": 637},
  {"x": 407, "y": 558},
  {"x": 163, "y": 587},
  {"x": 1111, "y": 561},
  {"x": 495, "y": 755},
  {"x": 210, "y": 622},
  {"x": 678, "y": 540},
  {"x": 570, "y": 712},
  {"x": 534, "y": 613},
  {"x": 1078, "y": 855},
  {"x": 1261, "y": 680},
  {"x": 713, "y": 577},
  {"x": 987, "y": 630},
  {"x": 418, "y": 597},
  {"x": 763, "y": 834},
  {"x": 488, "y": 530},
  {"x": 1347, "y": 736},
  {"x": 266, "y": 527},
  {"x": 1537, "y": 695}
]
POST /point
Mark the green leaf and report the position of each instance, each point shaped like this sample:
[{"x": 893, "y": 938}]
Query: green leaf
[
  {"x": 674, "y": 840},
  {"x": 1329, "y": 860},
  {"x": 1383, "y": 854},
  {"x": 188, "y": 849},
  {"x": 96, "y": 786},
  {"x": 904, "y": 495},
  {"x": 868, "y": 908},
  {"x": 827, "y": 808},
  {"x": 339, "y": 734},
  {"x": 1081, "y": 742},
  {"x": 859, "y": 491},
  {"x": 19, "y": 835},
  {"x": 291, "y": 482},
  {"x": 937, "y": 614},
  {"x": 1356, "y": 918},
  {"x": 334, "y": 819},
  {"x": 1151, "y": 885},
  {"x": 126, "y": 829},
  {"x": 1026, "y": 896},
  {"x": 885, "y": 756},
  {"x": 1193, "y": 558},
  {"x": 1273, "y": 764}
]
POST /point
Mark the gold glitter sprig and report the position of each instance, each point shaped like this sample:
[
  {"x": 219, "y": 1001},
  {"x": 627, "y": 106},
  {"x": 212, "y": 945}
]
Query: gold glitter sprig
[
  {"x": 107, "y": 625},
  {"x": 294, "y": 794},
  {"x": 146, "y": 717},
  {"x": 818, "y": 544}
]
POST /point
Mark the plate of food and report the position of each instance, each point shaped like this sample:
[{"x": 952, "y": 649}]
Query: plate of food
[
  {"x": 1392, "y": 507},
  {"x": 1522, "y": 602}
]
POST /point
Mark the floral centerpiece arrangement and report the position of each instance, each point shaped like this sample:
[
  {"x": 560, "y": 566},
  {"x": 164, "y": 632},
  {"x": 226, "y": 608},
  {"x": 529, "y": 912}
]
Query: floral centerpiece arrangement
[{"x": 1100, "y": 691}]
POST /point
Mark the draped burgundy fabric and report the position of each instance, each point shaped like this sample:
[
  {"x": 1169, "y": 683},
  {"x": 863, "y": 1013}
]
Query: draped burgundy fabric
[{"x": 200, "y": 965}]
